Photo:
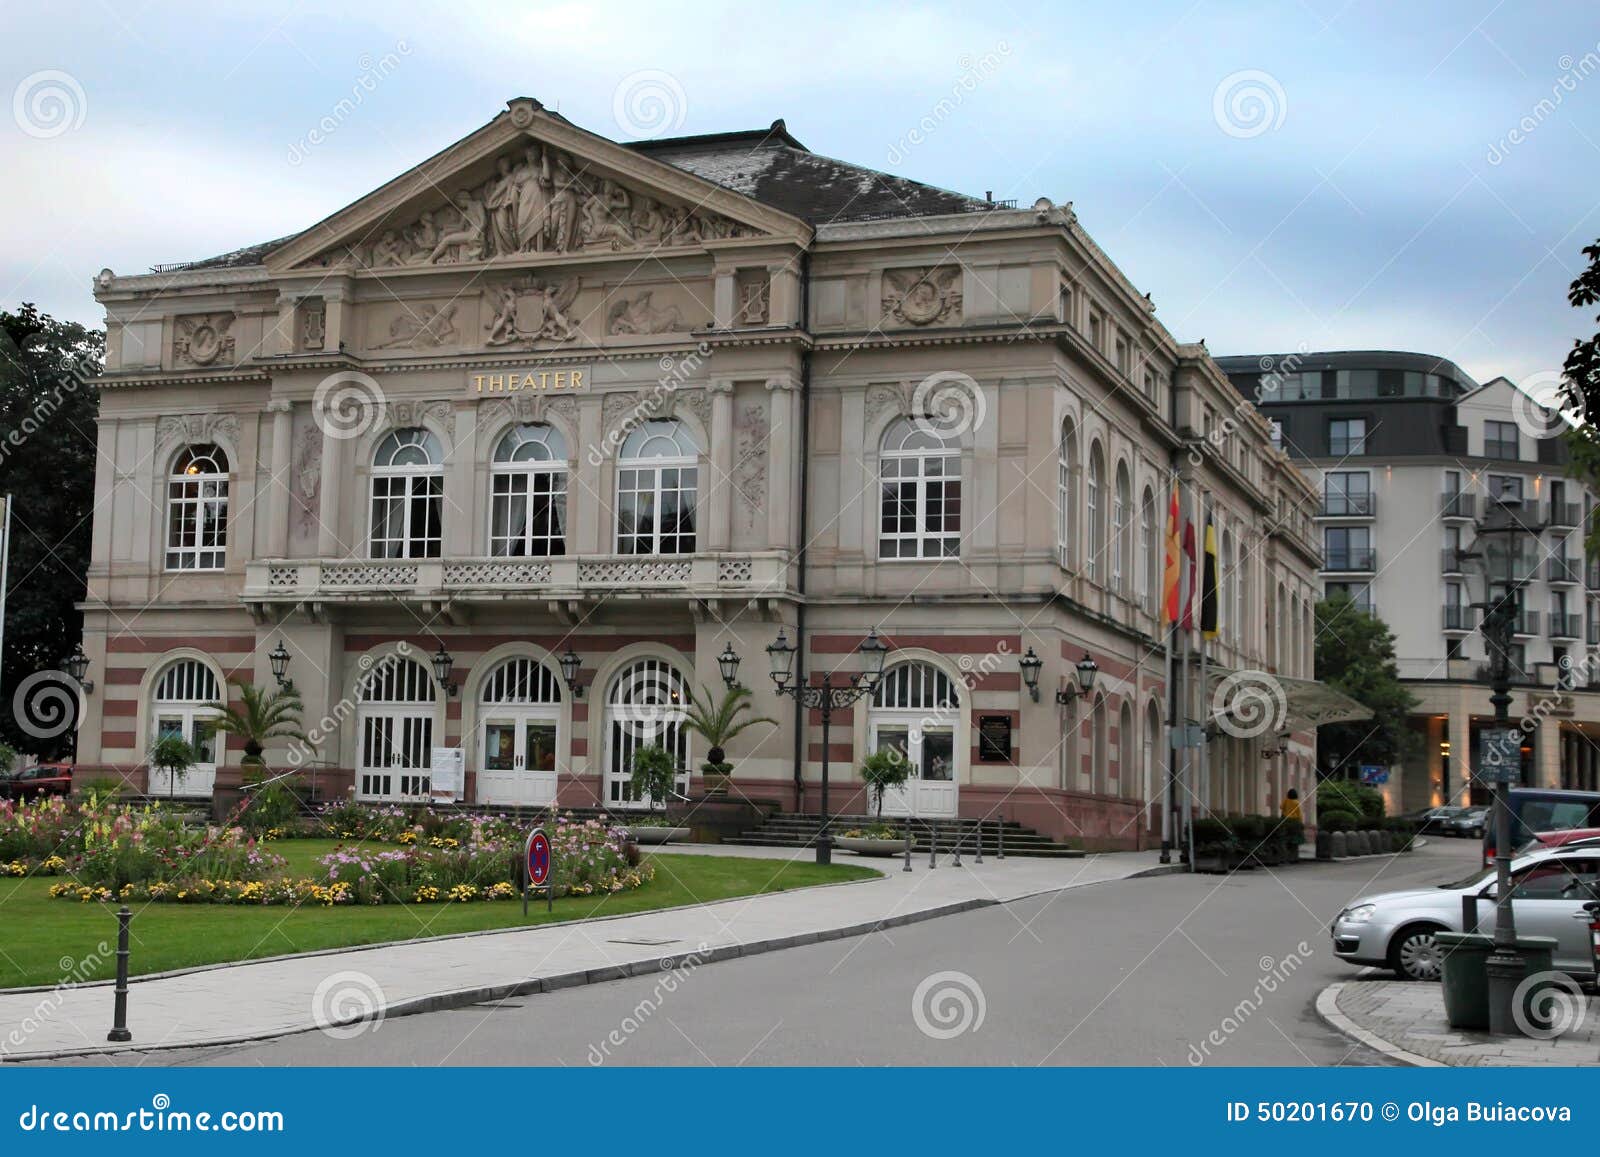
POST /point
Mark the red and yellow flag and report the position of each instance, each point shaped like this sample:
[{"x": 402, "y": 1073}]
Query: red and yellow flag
[{"x": 1172, "y": 576}]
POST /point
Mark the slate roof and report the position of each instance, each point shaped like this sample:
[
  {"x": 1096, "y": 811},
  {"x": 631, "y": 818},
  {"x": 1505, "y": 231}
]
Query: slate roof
[{"x": 767, "y": 165}]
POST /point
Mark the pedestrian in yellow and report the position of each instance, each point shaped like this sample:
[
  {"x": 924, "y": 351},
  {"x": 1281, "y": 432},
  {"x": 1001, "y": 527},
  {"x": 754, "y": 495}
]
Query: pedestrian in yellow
[{"x": 1290, "y": 808}]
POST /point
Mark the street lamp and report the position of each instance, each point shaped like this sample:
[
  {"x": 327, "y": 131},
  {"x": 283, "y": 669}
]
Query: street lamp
[
  {"x": 728, "y": 663},
  {"x": 1030, "y": 664},
  {"x": 823, "y": 698},
  {"x": 1503, "y": 522},
  {"x": 1087, "y": 670},
  {"x": 279, "y": 658},
  {"x": 569, "y": 672},
  {"x": 77, "y": 665},
  {"x": 443, "y": 664}
]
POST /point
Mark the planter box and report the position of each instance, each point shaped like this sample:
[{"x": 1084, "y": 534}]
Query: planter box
[
  {"x": 656, "y": 835},
  {"x": 863, "y": 846}
]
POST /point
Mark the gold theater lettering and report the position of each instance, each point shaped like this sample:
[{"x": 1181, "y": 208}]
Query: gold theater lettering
[{"x": 533, "y": 380}]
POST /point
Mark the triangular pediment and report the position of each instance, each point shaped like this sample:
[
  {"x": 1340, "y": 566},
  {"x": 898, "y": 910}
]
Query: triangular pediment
[{"x": 530, "y": 185}]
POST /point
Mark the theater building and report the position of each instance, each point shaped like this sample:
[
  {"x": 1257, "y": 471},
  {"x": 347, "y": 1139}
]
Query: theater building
[{"x": 547, "y": 396}]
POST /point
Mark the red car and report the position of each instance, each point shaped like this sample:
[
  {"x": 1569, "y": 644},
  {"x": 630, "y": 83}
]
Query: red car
[
  {"x": 35, "y": 782},
  {"x": 1557, "y": 839}
]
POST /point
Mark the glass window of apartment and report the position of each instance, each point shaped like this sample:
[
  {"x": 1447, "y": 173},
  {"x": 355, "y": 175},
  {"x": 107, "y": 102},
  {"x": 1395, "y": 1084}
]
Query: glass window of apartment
[
  {"x": 658, "y": 478},
  {"x": 1347, "y": 492},
  {"x": 1277, "y": 435},
  {"x": 1150, "y": 384},
  {"x": 1506, "y": 487},
  {"x": 1347, "y": 436},
  {"x": 1124, "y": 356},
  {"x": 921, "y": 493},
  {"x": 1358, "y": 593},
  {"x": 408, "y": 495},
  {"x": 1500, "y": 440},
  {"x": 1347, "y": 548},
  {"x": 1355, "y": 383}
]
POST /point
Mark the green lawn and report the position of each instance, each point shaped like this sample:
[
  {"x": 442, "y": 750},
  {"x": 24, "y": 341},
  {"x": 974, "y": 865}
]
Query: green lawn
[{"x": 37, "y": 933}]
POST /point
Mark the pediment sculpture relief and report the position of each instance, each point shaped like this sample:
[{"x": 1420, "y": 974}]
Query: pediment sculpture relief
[
  {"x": 540, "y": 201},
  {"x": 424, "y": 327},
  {"x": 640, "y": 315},
  {"x": 202, "y": 339},
  {"x": 530, "y": 310},
  {"x": 923, "y": 296}
]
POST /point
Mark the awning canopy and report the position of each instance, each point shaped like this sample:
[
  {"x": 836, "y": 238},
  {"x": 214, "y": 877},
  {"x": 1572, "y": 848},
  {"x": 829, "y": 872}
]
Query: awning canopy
[{"x": 1259, "y": 696}]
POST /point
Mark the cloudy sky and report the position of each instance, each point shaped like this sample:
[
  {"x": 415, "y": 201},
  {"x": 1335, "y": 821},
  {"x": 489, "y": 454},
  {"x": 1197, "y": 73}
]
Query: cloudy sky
[{"x": 1318, "y": 174}]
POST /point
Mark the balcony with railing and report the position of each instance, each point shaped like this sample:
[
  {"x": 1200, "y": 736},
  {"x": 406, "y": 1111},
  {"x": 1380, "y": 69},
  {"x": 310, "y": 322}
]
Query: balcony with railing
[
  {"x": 1363, "y": 560},
  {"x": 1459, "y": 617},
  {"x": 1566, "y": 626},
  {"x": 1592, "y": 575},
  {"x": 554, "y": 579},
  {"x": 1594, "y": 634},
  {"x": 1342, "y": 505},
  {"x": 1563, "y": 515},
  {"x": 1450, "y": 561},
  {"x": 1527, "y": 623},
  {"x": 1458, "y": 504},
  {"x": 1563, "y": 570}
]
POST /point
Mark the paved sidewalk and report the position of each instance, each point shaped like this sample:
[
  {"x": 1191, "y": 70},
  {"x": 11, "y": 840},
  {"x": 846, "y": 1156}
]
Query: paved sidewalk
[
  {"x": 237, "y": 1002},
  {"x": 1405, "y": 1021}
]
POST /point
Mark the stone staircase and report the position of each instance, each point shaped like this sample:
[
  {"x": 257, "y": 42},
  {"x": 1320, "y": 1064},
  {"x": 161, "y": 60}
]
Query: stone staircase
[{"x": 796, "y": 830}]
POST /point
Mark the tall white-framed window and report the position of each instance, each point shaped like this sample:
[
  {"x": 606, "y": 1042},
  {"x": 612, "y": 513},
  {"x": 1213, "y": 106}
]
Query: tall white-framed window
[
  {"x": 181, "y": 706},
  {"x": 920, "y": 503},
  {"x": 1066, "y": 494},
  {"x": 528, "y": 493},
  {"x": 408, "y": 495},
  {"x": 658, "y": 477},
  {"x": 1094, "y": 514},
  {"x": 1122, "y": 543},
  {"x": 197, "y": 509},
  {"x": 394, "y": 731},
  {"x": 646, "y": 705},
  {"x": 1149, "y": 558}
]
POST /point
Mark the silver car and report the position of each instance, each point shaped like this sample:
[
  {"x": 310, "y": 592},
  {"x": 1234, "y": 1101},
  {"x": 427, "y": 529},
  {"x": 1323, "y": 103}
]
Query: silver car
[{"x": 1549, "y": 891}]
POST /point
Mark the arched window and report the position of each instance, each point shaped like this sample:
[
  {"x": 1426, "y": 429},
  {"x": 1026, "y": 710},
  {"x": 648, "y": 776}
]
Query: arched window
[
  {"x": 1149, "y": 563},
  {"x": 197, "y": 509},
  {"x": 1094, "y": 515},
  {"x": 1121, "y": 540},
  {"x": 519, "y": 716},
  {"x": 914, "y": 713},
  {"x": 528, "y": 499},
  {"x": 1066, "y": 494},
  {"x": 657, "y": 489},
  {"x": 646, "y": 706},
  {"x": 1102, "y": 748},
  {"x": 1127, "y": 768},
  {"x": 1152, "y": 766},
  {"x": 394, "y": 722},
  {"x": 408, "y": 495},
  {"x": 181, "y": 706},
  {"x": 921, "y": 502}
]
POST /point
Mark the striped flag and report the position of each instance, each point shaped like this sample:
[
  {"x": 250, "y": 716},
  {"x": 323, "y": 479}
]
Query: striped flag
[
  {"x": 1208, "y": 585},
  {"x": 1189, "y": 577},
  {"x": 1170, "y": 577}
]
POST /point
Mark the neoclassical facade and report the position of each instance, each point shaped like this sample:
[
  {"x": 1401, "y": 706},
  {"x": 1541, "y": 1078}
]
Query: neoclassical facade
[{"x": 547, "y": 397}]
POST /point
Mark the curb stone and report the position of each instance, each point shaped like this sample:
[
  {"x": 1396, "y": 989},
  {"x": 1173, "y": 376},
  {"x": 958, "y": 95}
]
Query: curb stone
[{"x": 1328, "y": 1010}]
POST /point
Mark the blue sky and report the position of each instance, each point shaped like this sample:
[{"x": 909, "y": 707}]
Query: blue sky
[{"x": 1372, "y": 198}]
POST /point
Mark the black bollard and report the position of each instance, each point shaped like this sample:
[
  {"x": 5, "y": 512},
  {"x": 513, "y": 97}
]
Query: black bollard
[
  {"x": 956, "y": 863},
  {"x": 907, "y": 868},
  {"x": 119, "y": 1017},
  {"x": 933, "y": 845},
  {"x": 1000, "y": 837},
  {"x": 978, "y": 859}
]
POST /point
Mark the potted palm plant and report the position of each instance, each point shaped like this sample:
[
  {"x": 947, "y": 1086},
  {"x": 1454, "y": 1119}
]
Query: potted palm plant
[
  {"x": 262, "y": 716},
  {"x": 718, "y": 723}
]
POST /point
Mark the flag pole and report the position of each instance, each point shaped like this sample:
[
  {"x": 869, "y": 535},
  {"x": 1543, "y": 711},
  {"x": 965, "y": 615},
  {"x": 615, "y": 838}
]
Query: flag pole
[
  {"x": 1169, "y": 793},
  {"x": 1186, "y": 603},
  {"x": 1204, "y": 705}
]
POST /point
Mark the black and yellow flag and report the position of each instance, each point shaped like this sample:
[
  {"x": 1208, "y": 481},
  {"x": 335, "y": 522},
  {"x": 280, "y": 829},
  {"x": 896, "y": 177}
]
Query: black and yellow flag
[{"x": 1208, "y": 585}]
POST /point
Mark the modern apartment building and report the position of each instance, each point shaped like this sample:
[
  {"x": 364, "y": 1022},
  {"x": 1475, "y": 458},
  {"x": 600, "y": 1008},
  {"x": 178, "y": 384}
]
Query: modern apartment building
[{"x": 1407, "y": 451}]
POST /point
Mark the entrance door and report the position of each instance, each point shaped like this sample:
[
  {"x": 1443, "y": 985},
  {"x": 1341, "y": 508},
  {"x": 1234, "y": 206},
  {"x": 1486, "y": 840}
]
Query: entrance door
[
  {"x": 201, "y": 775},
  {"x": 627, "y": 734},
  {"x": 396, "y": 755},
  {"x": 518, "y": 759},
  {"x": 929, "y": 752}
]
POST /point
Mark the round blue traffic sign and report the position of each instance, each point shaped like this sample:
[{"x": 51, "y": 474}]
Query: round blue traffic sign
[{"x": 538, "y": 858}]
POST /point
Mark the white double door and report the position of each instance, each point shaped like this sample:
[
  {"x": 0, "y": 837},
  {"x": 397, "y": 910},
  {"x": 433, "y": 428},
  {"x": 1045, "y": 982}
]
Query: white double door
[
  {"x": 396, "y": 754},
  {"x": 517, "y": 757},
  {"x": 630, "y": 729},
  {"x": 189, "y": 725},
  {"x": 931, "y": 791}
]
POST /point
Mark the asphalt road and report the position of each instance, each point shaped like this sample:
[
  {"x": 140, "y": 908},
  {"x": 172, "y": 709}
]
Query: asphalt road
[{"x": 1171, "y": 970}]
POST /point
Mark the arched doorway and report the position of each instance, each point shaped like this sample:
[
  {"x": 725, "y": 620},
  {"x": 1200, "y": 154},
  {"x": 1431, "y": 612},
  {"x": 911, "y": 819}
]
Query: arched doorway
[
  {"x": 181, "y": 707},
  {"x": 914, "y": 712},
  {"x": 645, "y": 705},
  {"x": 518, "y": 731},
  {"x": 394, "y": 722}
]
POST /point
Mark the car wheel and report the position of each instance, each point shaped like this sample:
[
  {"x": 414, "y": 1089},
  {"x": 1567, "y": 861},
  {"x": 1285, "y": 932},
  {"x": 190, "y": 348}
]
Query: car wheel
[{"x": 1414, "y": 953}]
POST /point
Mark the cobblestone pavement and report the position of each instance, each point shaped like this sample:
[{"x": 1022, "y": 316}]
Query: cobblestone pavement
[{"x": 1406, "y": 1021}]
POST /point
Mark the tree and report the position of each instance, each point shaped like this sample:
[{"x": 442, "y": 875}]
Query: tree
[
  {"x": 1580, "y": 388},
  {"x": 654, "y": 771},
  {"x": 262, "y": 717},
  {"x": 174, "y": 756},
  {"x": 882, "y": 769},
  {"x": 48, "y": 451},
  {"x": 1355, "y": 653}
]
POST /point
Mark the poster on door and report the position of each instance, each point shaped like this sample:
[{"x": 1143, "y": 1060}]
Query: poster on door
[{"x": 449, "y": 774}]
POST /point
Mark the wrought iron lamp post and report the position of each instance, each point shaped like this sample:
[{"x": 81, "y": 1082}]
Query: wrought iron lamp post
[
  {"x": 279, "y": 658},
  {"x": 824, "y": 698},
  {"x": 1501, "y": 533}
]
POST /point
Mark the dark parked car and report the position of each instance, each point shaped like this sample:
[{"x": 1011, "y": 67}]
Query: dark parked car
[
  {"x": 1432, "y": 819},
  {"x": 33, "y": 782},
  {"x": 1544, "y": 809},
  {"x": 1469, "y": 821}
]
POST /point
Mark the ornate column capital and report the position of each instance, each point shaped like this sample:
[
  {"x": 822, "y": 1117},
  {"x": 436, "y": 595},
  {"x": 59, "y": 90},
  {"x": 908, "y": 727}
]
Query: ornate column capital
[
  {"x": 783, "y": 382},
  {"x": 720, "y": 386}
]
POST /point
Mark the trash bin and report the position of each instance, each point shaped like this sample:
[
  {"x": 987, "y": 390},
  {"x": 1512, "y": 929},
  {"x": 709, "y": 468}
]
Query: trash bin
[{"x": 1465, "y": 983}]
